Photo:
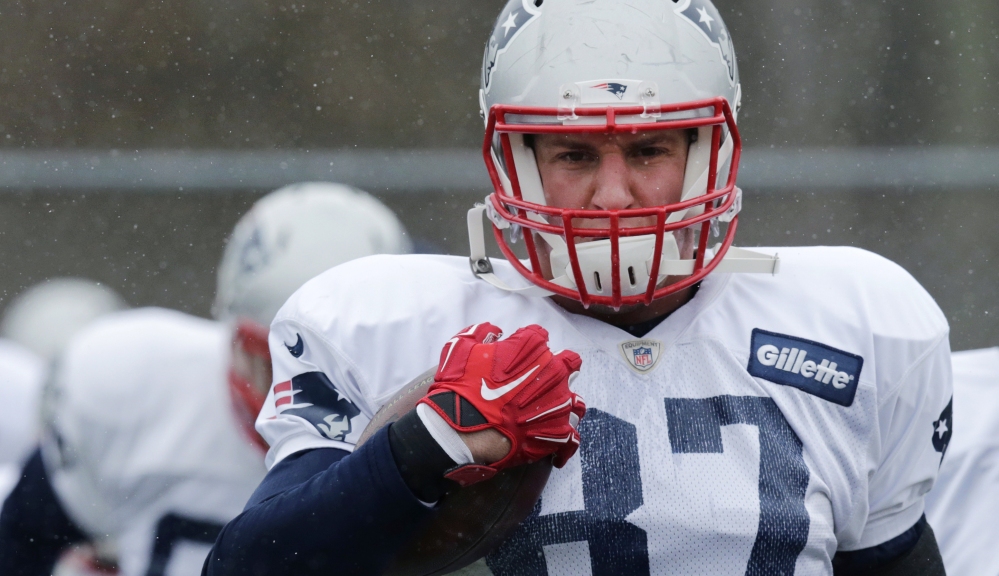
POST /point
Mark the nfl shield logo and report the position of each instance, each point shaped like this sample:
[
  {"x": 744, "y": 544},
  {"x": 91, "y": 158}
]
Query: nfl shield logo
[{"x": 643, "y": 356}]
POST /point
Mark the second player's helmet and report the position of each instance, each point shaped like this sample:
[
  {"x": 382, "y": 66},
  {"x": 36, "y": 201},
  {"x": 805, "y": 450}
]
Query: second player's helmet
[
  {"x": 290, "y": 236},
  {"x": 606, "y": 66}
]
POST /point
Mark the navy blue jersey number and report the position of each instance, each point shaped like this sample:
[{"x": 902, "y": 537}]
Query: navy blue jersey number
[
  {"x": 612, "y": 489},
  {"x": 609, "y": 453},
  {"x": 695, "y": 427},
  {"x": 172, "y": 529}
]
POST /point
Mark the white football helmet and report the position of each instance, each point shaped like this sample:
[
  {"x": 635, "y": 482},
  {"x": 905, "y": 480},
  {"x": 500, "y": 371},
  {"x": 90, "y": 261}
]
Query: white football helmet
[
  {"x": 287, "y": 238},
  {"x": 292, "y": 235},
  {"x": 562, "y": 66},
  {"x": 44, "y": 317}
]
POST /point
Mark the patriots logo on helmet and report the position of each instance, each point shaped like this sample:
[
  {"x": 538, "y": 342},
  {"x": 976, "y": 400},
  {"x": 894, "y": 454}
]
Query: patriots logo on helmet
[
  {"x": 613, "y": 87},
  {"x": 704, "y": 15},
  {"x": 511, "y": 21},
  {"x": 312, "y": 396},
  {"x": 254, "y": 253}
]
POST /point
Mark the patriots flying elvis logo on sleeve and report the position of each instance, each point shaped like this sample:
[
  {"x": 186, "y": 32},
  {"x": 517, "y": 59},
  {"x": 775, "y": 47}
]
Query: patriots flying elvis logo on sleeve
[{"x": 312, "y": 396}]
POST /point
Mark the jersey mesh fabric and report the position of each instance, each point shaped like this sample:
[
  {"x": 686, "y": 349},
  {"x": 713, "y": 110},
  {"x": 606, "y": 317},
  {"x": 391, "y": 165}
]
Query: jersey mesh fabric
[
  {"x": 142, "y": 446},
  {"x": 964, "y": 504},
  {"x": 691, "y": 465}
]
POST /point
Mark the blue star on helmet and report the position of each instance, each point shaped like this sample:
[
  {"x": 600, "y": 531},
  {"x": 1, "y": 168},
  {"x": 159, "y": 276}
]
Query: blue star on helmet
[
  {"x": 511, "y": 21},
  {"x": 704, "y": 15},
  {"x": 706, "y": 18}
]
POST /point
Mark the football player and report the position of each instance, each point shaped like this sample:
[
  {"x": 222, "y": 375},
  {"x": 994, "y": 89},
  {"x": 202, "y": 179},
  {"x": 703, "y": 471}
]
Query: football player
[
  {"x": 36, "y": 326},
  {"x": 149, "y": 442},
  {"x": 22, "y": 374},
  {"x": 44, "y": 317},
  {"x": 739, "y": 419},
  {"x": 963, "y": 506}
]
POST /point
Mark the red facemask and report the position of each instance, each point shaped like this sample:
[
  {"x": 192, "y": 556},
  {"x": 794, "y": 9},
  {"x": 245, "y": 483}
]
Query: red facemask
[
  {"x": 534, "y": 217},
  {"x": 247, "y": 400}
]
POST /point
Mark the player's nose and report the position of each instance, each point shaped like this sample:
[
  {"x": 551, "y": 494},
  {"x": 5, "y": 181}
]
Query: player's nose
[{"x": 612, "y": 187}]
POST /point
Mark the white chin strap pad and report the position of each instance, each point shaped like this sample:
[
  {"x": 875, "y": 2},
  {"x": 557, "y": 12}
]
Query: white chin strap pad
[{"x": 635, "y": 263}]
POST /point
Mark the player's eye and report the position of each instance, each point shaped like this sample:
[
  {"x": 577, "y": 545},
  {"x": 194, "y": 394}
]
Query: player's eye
[
  {"x": 574, "y": 156},
  {"x": 648, "y": 152}
]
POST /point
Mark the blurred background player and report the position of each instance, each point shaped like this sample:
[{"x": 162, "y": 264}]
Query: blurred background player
[
  {"x": 36, "y": 326},
  {"x": 964, "y": 504},
  {"x": 46, "y": 316},
  {"x": 149, "y": 441}
]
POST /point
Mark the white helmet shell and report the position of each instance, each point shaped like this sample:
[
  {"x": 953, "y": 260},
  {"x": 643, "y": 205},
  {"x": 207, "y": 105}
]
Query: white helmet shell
[
  {"x": 563, "y": 66},
  {"x": 538, "y": 48},
  {"x": 46, "y": 316},
  {"x": 294, "y": 234}
]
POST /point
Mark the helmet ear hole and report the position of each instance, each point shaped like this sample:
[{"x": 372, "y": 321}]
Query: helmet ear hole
[{"x": 538, "y": 3}]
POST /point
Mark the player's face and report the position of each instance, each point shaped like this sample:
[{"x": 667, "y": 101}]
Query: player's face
[{"x": 614, "y": 172}]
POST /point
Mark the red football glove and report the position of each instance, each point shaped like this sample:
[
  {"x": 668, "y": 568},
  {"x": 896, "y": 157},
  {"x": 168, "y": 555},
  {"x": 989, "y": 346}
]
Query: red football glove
[{"x": 516, "y": 386}]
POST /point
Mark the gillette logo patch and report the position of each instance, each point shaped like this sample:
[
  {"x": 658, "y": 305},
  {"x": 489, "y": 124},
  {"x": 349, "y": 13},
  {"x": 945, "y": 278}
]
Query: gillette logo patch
[{"x": 817, "y": 369}]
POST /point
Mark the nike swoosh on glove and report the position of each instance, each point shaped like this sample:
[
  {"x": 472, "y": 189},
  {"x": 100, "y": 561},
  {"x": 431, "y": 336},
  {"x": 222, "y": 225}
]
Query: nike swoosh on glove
[{"x": 515, "y": 386}]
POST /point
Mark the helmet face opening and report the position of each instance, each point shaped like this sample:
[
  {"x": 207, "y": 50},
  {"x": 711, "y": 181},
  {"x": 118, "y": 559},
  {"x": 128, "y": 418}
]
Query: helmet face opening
[{"x": 599, "y": 256}]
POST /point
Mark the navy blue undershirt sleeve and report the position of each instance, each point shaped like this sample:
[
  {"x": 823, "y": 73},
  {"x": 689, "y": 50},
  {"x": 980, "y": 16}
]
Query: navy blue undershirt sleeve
[
  {"x": 322, "y": 512},
  {"x": 34, "y": 528},
  {"x": 912, "y": 553},
  {"x": 294, "y": 470}
]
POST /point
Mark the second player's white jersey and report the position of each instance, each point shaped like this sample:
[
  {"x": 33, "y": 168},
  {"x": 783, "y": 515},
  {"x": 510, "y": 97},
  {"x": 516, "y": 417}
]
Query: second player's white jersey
[
  {"x": 964, "y": 505},
  {"x": 142, "y": 446},
  {"x": 766, "y": 424},
  {"x": 22, "y": 374}
]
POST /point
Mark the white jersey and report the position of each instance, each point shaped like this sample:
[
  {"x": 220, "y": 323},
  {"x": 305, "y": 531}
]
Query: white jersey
[
  {"x": 761, "y": 427},
  {"x": 963, "y": 507},
  {"x": 142, "y": 445},
  {"x": 22, "y": 374}
]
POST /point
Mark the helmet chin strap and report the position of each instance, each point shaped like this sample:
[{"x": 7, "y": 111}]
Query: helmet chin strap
[{"x": 481, "y": 266}]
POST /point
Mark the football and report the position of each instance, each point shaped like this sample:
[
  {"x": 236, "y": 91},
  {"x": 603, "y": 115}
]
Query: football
[{"x": 470, "y": 521}]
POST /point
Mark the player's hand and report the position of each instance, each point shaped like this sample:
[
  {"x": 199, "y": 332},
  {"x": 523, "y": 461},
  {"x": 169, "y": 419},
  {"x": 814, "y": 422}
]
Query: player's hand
[{"x": 515, "y": 386}]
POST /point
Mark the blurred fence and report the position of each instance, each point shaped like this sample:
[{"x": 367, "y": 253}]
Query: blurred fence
[
  {"x": 451, "y": 170},
  {"x": 152, "y": 224}
]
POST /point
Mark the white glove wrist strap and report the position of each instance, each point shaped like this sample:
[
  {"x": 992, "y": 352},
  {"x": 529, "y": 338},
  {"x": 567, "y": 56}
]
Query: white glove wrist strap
[{"x": 446, "y": 436}]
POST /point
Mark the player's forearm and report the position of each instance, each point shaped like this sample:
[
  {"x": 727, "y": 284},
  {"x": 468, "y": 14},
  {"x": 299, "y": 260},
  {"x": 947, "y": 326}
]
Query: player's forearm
[
  {"x": 34, "y": 528},
  {"x": 352, "y": 516}
]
